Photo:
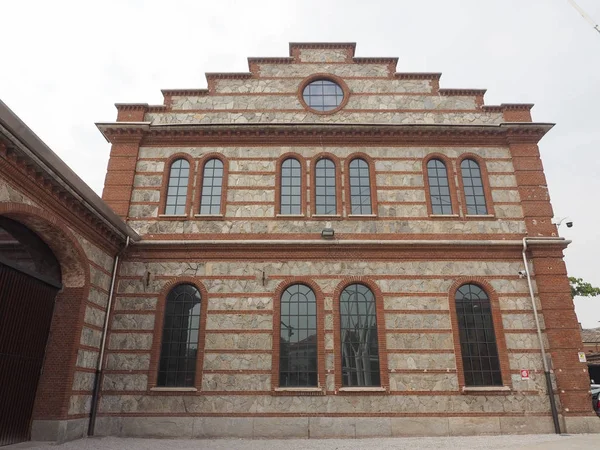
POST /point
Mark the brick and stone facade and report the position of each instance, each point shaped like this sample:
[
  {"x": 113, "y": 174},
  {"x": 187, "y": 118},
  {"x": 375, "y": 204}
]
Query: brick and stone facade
[
  {"x": 243, "y": 258},
  {"x": 413, "y": 260}
]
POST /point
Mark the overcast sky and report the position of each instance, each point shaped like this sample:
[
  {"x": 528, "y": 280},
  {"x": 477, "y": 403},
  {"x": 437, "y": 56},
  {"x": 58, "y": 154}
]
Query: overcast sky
[{"x": 65, "y": 63}]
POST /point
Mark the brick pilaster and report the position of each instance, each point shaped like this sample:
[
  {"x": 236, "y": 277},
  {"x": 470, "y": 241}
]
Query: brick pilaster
[
  {"x": 120, "y": 175},
  {"x": 562, "y": 329}
]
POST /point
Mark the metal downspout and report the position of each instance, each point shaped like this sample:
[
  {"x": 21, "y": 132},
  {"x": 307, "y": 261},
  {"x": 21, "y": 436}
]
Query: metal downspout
[
  {"x": 98, "y": 375},
  {"x": 539, "y": 333}
]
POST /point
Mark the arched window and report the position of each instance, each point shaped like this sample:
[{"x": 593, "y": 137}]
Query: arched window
[
  {"x": 358, "y": 327},
  {"x": 473, "y": 185},
  {"x": 325, "y": 187},
  {"x": 477, "y": 338},
  {"x": 180, "y": 337},
  {"x": 360, "y": 187},
  {"x": 439, "y": 188},
  {"x": 212, "y": 184},
  {"x": 178, "y": 187},
  {"x": 291, "y": 185},
  {"x": 298, "y": 340}
]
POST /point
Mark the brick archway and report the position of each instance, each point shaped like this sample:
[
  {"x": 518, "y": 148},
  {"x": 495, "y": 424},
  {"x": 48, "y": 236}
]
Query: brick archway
[
  {"x": 55, "y": 383},
  {"x": 55, "y": 233}
]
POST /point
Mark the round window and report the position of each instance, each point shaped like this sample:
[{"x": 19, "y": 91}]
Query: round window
[{"x": 323, "y": 95}]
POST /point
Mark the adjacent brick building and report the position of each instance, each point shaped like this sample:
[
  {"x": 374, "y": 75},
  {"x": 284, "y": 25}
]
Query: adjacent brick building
[{"x": 333, "y": 248}]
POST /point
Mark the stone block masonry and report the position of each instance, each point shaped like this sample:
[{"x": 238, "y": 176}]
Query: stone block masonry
[{"x": 239, "y": 356}]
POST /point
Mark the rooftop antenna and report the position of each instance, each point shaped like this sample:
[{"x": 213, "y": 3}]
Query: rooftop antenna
[{"x": 585, "y": 15}]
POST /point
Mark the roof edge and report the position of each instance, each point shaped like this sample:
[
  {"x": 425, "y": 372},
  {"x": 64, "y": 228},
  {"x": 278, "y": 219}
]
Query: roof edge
[{"x": 60, "y": 170}]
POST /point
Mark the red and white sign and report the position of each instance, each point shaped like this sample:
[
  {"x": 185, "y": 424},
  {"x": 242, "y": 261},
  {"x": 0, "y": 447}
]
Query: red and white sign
[{"x": 524, "y": 374}]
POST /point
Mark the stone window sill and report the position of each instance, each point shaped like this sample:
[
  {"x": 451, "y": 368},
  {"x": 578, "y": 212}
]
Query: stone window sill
[
  {"x": 173, "y": 216},
  {"x": 173, "y": 389},
  {"x": 363, "y": 389},
  {"x": 298, "y": 391},
  {"x": 480, "y": 216},
  {"x": 444, "y": 216},
  {"x": 290, "y": 215},
  {"x": 360, "y": 216},
  {"x": 209, "y": 216},
  {"x": 468, "y": 389},
  {"x": 326, "y": 216}
]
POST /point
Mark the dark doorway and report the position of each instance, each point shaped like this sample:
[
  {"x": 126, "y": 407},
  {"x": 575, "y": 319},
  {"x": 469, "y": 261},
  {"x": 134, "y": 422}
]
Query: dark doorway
[
  {"x": 29, "y": 282},
  {"x": 594, "y": 371}
]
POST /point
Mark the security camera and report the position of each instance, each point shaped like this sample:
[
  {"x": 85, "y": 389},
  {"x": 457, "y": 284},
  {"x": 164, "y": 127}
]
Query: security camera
[
  {"x": 522, "y": 274},
  {"x": 559, "y": 221}
]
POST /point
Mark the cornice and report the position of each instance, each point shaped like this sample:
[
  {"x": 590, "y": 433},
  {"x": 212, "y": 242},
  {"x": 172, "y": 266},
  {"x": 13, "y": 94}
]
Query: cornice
[
  {"x": 270, "y": 60},
  {"x": 323, "y": 45},
  {"x": 375, "y": 60},
  {"x": 335, "y": 249},
  {"x": 462, "y": 92},
  {"x": 184, "y": 92},
  {"x": 417, "y": 75},
  {"x": 31, "y": 176},
  {"x": 228, "y": 75},
  {"x": 517, "y": 106},
  {"x": 131, "y": 106},
  {"x": 329, "y": 134},
  {"x": 119, "y": 132},
  {"x": 141, "y": 107}
]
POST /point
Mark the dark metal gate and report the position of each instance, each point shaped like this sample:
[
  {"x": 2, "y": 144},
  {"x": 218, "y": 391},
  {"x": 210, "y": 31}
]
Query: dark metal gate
[{"x": 26, "y": 306}]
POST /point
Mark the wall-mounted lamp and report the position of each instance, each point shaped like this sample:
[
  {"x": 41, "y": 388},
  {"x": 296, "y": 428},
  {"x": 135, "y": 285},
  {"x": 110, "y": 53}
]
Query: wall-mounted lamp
[{"x": 327, "y": 232}]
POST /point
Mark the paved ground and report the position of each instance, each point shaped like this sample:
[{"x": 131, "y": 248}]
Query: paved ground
[{"x": 533, "y": 442}]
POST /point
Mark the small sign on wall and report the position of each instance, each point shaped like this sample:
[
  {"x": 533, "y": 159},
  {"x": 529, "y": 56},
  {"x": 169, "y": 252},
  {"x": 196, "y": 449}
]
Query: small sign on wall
[
  {"x": 582, "y": 357},
  {"x": 524, "y": 374}
]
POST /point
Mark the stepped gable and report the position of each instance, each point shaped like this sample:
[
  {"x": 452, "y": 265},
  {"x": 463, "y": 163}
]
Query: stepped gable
[{"x": 374, "y": 93}]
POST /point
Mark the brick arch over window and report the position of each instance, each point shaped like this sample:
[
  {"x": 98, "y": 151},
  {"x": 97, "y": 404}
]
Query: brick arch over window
[
  {"x": 327, "y": 77},
  {"x": 381, "y": 329},
  {"x": 159, "y": 320},
  {"x": 451, "y": 182},
  {"x": 56, "y": 381},
  {"x": 497, "y": 323},
  {"x": 485, "y": 181},
  {"x": 164, "y": 192},
  {"x": 278, "y": 181},
  {"x": 201, "y": 188},
  {"x": 275, "y": 381},
  {"x": 338, "y": 185},
  {"x": 371, "y": 182}
]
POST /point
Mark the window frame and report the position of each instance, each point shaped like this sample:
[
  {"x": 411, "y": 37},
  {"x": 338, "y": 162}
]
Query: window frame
[
  {"x": 384, "y": 379},
  {"x": 159, "y": 320},
  {"x": 165, "y": 184},
  {"x": 321, "y": 372},
  {"x": 505, "y": 371},
  {"x": 326, "y": 77},
  {"x": 278, "y": 177},
  {"x": 200, "y": 180},
  {"x": 338, "y": 188},
  {"x": 485, "y": 181},
  {"x": 372, "y": 186},
  {"x": 451, "y": 185}
]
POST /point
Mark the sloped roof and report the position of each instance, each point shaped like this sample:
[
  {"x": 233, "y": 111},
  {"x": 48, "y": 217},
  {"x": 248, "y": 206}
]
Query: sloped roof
[
  {"x": 35, "y": 152},
  {"x": 590, "y": 335}
]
